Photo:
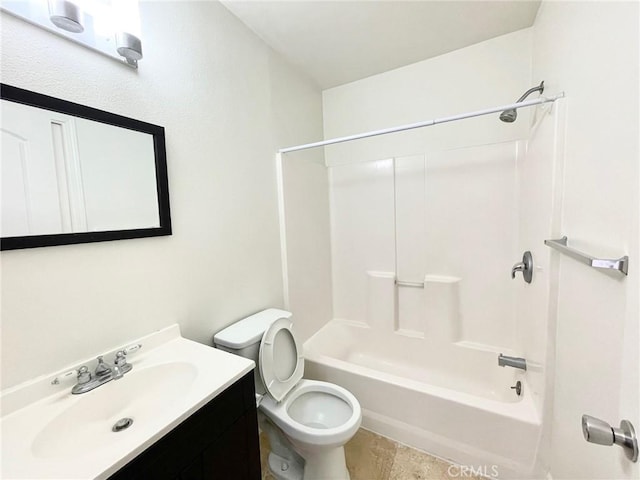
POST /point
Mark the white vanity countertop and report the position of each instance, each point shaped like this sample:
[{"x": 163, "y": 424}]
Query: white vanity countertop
[{"x": 46, "y": 432}]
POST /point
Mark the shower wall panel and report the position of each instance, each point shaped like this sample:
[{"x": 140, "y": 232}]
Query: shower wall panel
[
  {"x": 446, "y": 222},
  {"x": 471, "y": 218},
  {"x": 362, "y": 232}
]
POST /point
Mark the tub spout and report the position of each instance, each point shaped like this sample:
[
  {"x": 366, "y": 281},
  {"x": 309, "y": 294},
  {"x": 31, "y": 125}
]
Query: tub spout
[{"x": 514, "y": 362}]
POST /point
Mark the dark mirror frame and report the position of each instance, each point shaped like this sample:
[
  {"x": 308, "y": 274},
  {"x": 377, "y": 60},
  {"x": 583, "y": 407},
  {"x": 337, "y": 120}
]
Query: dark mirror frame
[{"x": 26, "y": 97}]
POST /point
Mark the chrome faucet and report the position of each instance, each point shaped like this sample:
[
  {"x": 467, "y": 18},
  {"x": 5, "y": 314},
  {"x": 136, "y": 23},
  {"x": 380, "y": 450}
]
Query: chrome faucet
[
  {"x": 515, "y": 362},
  {"x": 103, "y": 373},
  {"x": 103, "y": 368}
]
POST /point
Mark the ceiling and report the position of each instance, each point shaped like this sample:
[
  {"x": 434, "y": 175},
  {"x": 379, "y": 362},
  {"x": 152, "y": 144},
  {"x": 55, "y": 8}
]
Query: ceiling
[{"x": 340, "y": 41}]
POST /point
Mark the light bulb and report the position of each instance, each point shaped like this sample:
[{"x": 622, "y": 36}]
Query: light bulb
[{"x": 66, "y": 15}]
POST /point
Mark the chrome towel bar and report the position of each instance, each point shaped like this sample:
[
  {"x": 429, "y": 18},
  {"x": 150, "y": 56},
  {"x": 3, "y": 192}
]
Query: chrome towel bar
[{"x": 620, "y": 264}]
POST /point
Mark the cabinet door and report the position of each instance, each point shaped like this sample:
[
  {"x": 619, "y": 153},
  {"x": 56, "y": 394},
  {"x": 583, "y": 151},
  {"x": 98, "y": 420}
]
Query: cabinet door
[
  {"x": 193, "y": 471},
  {"x": 231, "y": 456}
]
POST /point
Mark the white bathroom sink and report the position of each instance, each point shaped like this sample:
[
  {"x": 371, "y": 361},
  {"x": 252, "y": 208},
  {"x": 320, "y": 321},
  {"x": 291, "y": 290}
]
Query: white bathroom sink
[
  {"x": 140, "y": 395},
  {"x": 70, "y": 436}
]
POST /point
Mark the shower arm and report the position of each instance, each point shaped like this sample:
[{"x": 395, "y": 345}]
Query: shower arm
[
  {"x": 539, "y": 88},
  {"x": 428, "y": 123}
]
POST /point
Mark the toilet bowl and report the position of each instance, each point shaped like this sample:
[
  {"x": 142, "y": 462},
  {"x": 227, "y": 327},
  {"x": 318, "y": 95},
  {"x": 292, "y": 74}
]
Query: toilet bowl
[
  {"x": 317, "y": 413},
  {"x": 318, "y": 418},
  {"x": 315, "y": 418}
]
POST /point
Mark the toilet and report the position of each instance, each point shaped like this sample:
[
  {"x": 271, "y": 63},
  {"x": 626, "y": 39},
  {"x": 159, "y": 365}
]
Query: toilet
[{"x": 307, "y": 421}]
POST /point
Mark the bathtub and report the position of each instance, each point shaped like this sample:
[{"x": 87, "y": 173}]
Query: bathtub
[{"x": 449, "y": 400}]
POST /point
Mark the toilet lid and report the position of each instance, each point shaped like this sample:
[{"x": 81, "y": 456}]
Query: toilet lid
[{"x": 280, "y": 361}]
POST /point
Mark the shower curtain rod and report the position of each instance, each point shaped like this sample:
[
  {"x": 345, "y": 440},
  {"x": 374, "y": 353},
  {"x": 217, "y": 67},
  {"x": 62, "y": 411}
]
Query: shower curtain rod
[{"x": 428, "y": 123}]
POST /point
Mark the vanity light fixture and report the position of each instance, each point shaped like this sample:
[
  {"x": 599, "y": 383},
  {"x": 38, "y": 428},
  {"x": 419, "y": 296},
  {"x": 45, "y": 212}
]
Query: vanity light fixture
[
  {"x": 129, "y": 46},
  {"x": 111, "y": 27},
  {"x": 126, "y": 23},
  {"x": 66, "y": 15}
]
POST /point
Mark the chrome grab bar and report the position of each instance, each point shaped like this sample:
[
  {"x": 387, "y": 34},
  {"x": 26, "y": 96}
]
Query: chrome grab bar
[
  {"x": 619, "y": 264},
  {"x": 400, "y": 283}
]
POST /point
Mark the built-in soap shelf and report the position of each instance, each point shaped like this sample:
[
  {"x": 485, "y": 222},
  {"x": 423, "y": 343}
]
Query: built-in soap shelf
[{"x": 617, "y": 264}]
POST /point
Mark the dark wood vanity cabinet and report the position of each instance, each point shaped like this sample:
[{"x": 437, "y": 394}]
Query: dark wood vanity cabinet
[{"x": 219, "y": 441}]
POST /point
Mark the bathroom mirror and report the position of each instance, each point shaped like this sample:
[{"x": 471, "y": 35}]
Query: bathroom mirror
[{"x": 75, "y": 174}]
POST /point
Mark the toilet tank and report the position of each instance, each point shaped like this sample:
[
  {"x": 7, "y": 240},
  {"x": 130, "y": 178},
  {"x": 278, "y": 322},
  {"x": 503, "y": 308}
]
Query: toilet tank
[{"x": 243, "y": 337}]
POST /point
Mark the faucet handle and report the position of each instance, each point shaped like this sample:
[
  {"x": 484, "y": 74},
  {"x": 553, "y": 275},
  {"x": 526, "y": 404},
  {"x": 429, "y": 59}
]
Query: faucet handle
[
  {"x": 525, "y": 266},
  {"x": 131, "y": 348},
  {"x": 120, "y": 359},
  {"x": 64, "y": 376},
  {"x": 518, "y": 267},
  {"x": 84, "y": 376}
]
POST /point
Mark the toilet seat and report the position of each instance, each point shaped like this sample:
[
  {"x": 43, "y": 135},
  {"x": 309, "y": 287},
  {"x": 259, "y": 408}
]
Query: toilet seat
[
  {"x": 281, "y": 366},
  {"x": 280, "y": 360}
]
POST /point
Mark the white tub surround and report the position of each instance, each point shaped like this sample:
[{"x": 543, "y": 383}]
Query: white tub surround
[
  {"x": 49, "y": 433},
  {"x": 449, "y": 400}
]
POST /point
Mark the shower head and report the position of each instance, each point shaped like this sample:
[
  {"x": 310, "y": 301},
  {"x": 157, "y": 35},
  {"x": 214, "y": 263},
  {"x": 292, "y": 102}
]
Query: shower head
[{"x": 509, "y": 116}]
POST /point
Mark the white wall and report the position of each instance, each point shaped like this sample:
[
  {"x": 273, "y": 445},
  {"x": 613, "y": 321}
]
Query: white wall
[
  {"x": 227, "y": 102},
  {"x": 494, "y": 72},
  {"x": 591, "y": 51}
]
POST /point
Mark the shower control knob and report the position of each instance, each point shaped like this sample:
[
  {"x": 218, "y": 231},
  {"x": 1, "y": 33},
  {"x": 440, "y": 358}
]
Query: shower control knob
[
  {"x": 525, "y": 266},
  {"x": 600, "y": 432}
]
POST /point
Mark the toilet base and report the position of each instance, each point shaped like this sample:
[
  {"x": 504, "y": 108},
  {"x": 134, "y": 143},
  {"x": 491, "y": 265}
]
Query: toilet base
[
  {"x": 324, "y": 464},
  {"x": 285, "y": 469},
  {"x": 291, "y": 460},
  {"x": 329, "y": 465},
  {"x": 284, "y": 461}
]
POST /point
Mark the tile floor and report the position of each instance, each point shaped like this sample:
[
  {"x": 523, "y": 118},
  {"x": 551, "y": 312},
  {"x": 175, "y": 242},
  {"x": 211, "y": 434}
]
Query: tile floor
[{"x": 372, "y": 457}]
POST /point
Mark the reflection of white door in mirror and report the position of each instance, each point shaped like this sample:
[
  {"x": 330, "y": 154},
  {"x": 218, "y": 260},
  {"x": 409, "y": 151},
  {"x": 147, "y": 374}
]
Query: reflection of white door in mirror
[
  {"x": 65, "y": 174},
  {"x": 41, "y": 178}
]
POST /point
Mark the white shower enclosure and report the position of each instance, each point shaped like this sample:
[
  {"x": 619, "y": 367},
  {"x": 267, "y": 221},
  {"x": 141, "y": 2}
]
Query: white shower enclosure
[{"x": 414, "y": 300}]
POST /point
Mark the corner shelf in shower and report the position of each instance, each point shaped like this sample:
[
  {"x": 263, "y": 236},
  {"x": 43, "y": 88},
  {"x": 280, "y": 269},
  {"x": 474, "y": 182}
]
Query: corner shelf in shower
[{"x": 618, "y": 264}]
